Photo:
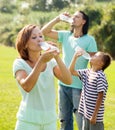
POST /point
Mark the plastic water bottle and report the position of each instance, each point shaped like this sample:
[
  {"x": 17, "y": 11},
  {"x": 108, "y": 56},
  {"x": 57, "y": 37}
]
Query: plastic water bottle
[
  {"x": 66, "y": 18},
  {"x": 85, "y": 54},
  {"x": 45, "y": 46}
]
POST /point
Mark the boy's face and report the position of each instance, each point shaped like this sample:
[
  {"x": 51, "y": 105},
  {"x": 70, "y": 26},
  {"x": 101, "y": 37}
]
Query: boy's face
[{"x": 97, "y": 59}]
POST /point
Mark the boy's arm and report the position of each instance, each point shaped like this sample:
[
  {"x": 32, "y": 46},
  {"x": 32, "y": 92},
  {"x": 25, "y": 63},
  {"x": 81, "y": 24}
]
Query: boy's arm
[
  {"x": 98, "y": 104},
  {"x": 73, "y": 62}
]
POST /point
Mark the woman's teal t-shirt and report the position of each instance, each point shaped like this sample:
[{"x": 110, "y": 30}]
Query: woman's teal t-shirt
[
  {"x": 69, "y": 43},
  {"x": 37, "y": 106}
]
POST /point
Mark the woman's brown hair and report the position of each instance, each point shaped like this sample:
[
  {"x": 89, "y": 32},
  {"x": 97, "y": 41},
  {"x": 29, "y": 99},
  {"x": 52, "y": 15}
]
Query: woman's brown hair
[{"x": 22, "y": 39}]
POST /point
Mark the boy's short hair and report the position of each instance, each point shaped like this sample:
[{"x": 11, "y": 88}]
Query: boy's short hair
[{"x": 106, "y": 60}]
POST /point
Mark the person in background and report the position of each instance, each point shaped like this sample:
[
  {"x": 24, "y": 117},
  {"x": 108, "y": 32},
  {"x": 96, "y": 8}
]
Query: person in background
[
  {"x": 94, "y": 90},
  {"x": 34, "y": 72},
  {"x": 69, "y": 95}
]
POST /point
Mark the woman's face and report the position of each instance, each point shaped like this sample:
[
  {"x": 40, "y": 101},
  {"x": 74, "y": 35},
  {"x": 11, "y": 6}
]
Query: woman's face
[{"x": 34, "y": 40}]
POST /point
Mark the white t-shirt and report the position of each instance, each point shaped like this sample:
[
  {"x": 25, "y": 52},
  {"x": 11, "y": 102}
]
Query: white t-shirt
[{"x": 38, "y": 105}]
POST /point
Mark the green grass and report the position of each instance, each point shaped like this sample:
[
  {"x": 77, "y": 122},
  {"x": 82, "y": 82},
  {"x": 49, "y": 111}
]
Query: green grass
[{"x": 10, "y": 96}]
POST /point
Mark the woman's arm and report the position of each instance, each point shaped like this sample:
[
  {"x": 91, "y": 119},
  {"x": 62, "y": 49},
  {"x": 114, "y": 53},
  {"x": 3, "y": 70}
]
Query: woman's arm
[
  {"x": 62, "y": 72},
  {"x": 28, "y": 81}
]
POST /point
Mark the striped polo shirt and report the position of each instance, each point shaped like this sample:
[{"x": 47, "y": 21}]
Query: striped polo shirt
[{"x": 93, "y": 83}]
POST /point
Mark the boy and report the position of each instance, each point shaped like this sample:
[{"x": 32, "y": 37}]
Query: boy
[{"x": 94, "y": 89}]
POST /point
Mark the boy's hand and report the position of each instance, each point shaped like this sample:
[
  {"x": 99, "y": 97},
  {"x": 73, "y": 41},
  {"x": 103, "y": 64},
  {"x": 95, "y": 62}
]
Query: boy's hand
[
  {"x": 78, "y": 53},
  {"x": 93, "y": 120}
]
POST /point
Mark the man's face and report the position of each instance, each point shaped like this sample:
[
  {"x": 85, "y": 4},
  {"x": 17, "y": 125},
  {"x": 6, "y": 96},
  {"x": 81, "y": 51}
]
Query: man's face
[{"x": 78, "y": 19}]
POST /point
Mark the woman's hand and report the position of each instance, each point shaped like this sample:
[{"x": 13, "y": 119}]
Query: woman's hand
[{"x": 48, "y": 55}]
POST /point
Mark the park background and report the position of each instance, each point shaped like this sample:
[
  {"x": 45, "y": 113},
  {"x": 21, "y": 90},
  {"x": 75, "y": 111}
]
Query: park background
[{"x": 17, "y": 13}]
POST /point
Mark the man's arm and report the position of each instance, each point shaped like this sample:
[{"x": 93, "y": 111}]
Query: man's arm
[{"x": 47, "y": 29}]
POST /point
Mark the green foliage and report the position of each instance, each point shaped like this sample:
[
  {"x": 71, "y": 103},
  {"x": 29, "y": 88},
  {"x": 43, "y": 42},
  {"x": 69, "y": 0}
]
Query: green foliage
[
  {"x": 107, "y": 38},
  {"x": 104, "y": 0},
  {"x": 5, "y": 7},
  {"x": 102, "y": 19},
  {"x": 95, "y": 15},
  {"x": 59, "y": 4},
  {"x": 40, "y": 5},
  {"x": 45, "y": 5},
  {"x": 105, "y": 32}
]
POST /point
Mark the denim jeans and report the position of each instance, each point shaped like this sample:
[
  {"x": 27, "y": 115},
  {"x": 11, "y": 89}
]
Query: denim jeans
[
  {"x": 68, "y": 104},
  {"x": 88, "y": 126}
]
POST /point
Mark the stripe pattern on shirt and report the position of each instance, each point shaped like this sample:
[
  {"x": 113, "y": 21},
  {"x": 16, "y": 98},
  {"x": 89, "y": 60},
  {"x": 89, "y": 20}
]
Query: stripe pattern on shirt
[{"x": 93, "y": 83}]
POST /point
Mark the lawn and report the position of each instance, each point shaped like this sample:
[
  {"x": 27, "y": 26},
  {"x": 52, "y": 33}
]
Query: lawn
[{"x": 10, "y": 96}]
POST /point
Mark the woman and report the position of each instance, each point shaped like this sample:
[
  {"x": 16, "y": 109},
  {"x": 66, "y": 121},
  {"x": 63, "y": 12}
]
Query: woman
[{"x": 34, "y": 73}]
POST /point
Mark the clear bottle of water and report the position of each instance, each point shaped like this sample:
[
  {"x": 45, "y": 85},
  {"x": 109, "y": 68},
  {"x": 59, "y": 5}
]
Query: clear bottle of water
[
  {"x": 66, "y": 18},
  {"x": 85, "y": 54},
  {"x": 45, "y": 46}
]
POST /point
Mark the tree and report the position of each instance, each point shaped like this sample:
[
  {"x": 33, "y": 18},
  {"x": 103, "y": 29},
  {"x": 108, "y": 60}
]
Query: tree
[
  {"x": 60, "y": 4},
  {"x": 40, "y": 5}
]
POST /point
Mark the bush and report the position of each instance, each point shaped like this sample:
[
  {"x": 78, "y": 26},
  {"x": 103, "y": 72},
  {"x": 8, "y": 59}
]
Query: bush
[
  {"x": 102, "y": 22},
  {"x": 95, "y": 15},
  {"x": 105, "y": 33}
]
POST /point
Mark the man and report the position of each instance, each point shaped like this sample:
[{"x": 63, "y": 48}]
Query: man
[{"x": 69, "y": 95}]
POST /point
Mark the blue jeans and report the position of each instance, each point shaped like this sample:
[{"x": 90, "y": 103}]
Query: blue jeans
[
  {"x": 88, "y": 126},
  {"x": 68, "y": 104}
]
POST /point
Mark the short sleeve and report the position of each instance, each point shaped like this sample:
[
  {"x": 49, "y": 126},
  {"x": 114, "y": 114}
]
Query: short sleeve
[
  {"x": 82, "y": 73},
  {"x": 62, "y": 35},
  {"x": 53, "y": 63},
  {"x": 102, "y": 83},
  {"x": 92, "y": 45},
  {"x": 17, "y": 65}
]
